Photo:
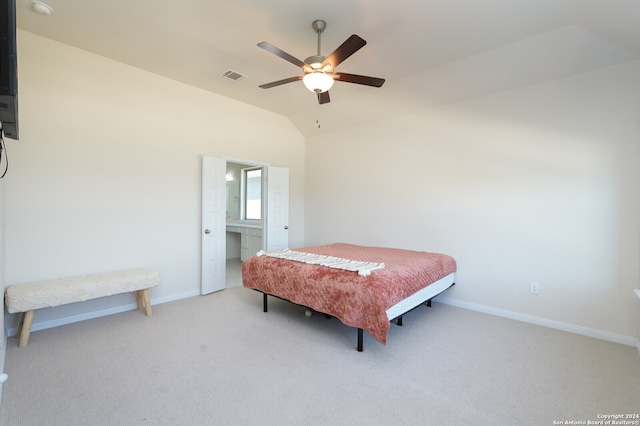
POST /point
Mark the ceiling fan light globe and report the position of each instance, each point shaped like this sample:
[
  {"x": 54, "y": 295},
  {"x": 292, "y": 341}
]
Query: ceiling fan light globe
[{"x": 318, "y": 82}]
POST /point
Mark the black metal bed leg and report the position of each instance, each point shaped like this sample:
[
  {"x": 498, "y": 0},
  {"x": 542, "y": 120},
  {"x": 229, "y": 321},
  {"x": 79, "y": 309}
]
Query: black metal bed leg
[
  {"x": 399, "y": 321},
  {"x": 360, "y": 339},
  {"x": 429, "y": 303},
  {"x": 264, "y": 302}
]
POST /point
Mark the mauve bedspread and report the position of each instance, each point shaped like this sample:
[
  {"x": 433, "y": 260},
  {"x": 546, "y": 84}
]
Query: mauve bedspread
[{"x": 356, "y": 300}]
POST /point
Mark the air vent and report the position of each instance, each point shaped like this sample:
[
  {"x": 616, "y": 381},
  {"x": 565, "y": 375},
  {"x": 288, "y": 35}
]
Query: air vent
[{"x": 234, "y": 75}]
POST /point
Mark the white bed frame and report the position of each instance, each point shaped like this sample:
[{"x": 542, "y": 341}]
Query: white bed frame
[{"x": 421, "y": 296}]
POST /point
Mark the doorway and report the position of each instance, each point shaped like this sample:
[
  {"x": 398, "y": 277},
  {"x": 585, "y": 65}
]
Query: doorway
[
  {"x": 222, "y": 233},
  {"x": 244, "y": 216}
]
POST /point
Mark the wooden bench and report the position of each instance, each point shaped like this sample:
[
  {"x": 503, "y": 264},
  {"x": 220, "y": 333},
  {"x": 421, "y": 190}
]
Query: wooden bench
[{"x": 45, "y": 294}]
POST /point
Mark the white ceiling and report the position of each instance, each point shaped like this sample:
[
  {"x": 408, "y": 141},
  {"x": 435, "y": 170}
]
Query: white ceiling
[{"x": 431, "y": 52}]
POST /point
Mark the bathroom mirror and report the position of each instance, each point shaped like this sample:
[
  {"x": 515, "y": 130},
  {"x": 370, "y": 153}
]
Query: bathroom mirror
[{"x": 233, "y": 199}]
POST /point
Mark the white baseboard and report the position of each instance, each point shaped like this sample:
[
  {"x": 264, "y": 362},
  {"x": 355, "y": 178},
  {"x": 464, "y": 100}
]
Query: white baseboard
[
  {"x": 173, "y": 298},
  {"x": 585, "y": 331},
  {"x": 101, "y": 313}
]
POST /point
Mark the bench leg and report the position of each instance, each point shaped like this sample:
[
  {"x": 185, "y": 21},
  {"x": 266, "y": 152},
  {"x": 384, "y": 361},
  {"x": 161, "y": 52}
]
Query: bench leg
[
  {"x": 144, "y": 302},
  {"x": 25, "y": 328}
]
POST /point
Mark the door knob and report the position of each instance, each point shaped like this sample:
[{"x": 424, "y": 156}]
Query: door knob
[
  {"x": 286, "y": 227},
  {"x": 206, "y": 231}
]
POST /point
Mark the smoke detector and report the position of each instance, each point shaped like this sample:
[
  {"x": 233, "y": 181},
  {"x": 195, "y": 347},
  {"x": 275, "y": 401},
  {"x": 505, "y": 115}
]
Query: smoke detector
[{"x": 41, "y": 8}]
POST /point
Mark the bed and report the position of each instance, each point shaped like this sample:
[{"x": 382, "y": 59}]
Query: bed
[{"x": 368, "y": 298}]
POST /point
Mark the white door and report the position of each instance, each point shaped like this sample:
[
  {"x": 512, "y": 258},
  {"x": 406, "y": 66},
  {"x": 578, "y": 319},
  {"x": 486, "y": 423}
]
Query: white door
[
  {"x": 277, "y": 229},
  {"x": 214, "y": 223}
]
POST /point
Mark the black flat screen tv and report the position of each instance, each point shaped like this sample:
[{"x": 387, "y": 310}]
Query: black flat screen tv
[{"x": 8, "y": 69}]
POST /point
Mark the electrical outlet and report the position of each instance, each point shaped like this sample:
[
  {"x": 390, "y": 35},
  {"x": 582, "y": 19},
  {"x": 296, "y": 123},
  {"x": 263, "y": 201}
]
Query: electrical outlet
[{"x": 534, "y": 288}]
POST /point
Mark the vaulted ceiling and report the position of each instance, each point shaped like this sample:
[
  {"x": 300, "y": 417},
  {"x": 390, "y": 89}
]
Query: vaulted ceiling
[{"x": 431, "y": 52}]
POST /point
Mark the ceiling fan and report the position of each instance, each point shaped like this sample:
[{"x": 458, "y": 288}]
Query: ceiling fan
[{"x": 318, "y": 70}]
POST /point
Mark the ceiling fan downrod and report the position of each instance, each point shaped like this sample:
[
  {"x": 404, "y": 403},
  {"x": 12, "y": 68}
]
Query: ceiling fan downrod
[
  {"x": 318, "y": 26},
  {"x": 315, "y": 62}
]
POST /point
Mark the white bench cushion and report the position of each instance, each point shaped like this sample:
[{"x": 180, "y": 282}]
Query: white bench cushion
[{"x": 45, "y": 294}]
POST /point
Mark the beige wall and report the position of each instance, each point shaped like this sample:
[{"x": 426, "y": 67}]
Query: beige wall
[
  {"x": 107, "y": 173},
  {"x": 535, "y": 184}
]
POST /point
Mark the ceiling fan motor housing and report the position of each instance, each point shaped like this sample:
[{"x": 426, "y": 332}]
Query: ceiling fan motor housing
[{"x": 315, "y": 61}]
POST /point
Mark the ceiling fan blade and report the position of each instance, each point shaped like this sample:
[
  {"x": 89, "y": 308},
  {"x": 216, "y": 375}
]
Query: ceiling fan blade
[
  {"x": 323, "y": 98},
  {"x": 346, "y": 49},
  {"x": 280, "y": 82},
  {"x": 281, "y": 53},
  {"x": 358, "y": 79}
]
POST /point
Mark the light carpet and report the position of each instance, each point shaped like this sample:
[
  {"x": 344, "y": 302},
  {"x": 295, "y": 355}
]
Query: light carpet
[{"x": 218, "y": 359}]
